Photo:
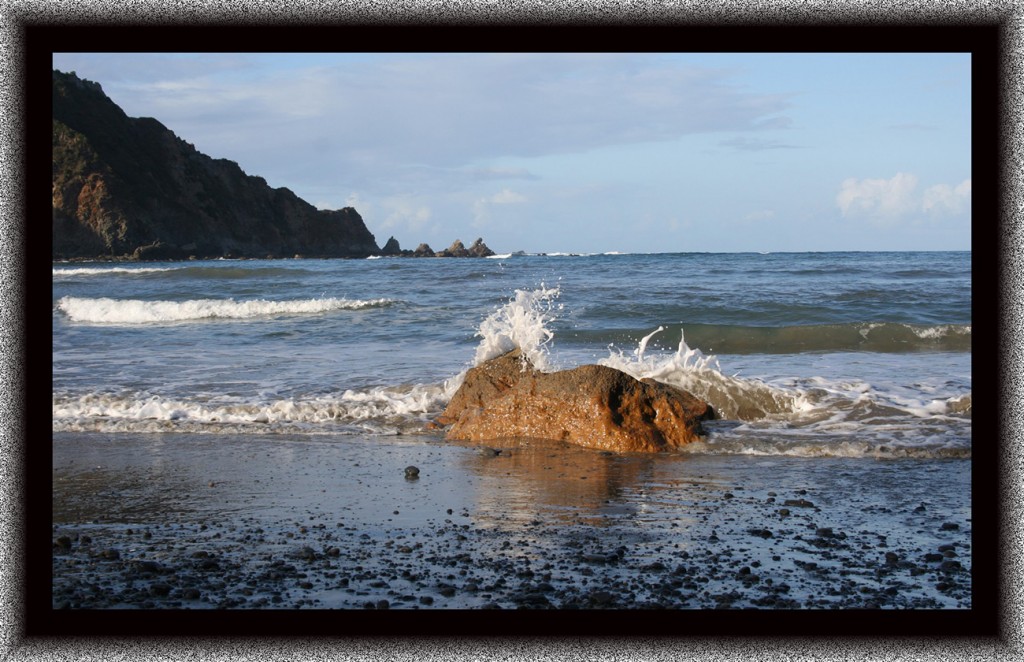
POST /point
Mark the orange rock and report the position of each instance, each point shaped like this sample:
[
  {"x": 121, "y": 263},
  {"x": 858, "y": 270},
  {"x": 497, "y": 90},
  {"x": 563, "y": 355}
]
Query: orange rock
[
  {"x": 485, "y": 382},
  {"x": 592, "y": 406}
]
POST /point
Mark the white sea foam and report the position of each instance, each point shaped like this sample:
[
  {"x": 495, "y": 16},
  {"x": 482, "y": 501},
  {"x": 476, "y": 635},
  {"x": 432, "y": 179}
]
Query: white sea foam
[
  {"x": 700, "y": 374},
  {"x": 941, "y": 331},
  {"x": 523, "y": 323},
  {"x": 71, "y": 272},
  {"x": 134, "y": 311},
  {"x": 378, "y": 410}
]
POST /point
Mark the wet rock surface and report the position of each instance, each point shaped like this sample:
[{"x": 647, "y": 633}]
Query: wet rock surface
[
  {"x": 592, "y": 405},
  {"x": 529, "y": 527}
]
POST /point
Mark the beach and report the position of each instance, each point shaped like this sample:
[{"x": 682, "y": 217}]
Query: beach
[{"x": 209, "y": 522}]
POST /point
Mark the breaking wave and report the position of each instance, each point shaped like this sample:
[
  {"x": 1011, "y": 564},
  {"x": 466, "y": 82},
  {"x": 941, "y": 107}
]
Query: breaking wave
[
  {"x": 134, "y": 311},
  {"x": 807, "y": 416},
  {"x": 383, "y": 410},
  {"x": 74, "y": 272}
]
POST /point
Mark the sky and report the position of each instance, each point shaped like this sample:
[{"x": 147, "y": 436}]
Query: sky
[{"x": 589, "y": 152}]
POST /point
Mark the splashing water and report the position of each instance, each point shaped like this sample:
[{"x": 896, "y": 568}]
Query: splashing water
[
  {"x": 523, "y": 323},
  {"x": 701, "y": 375}
]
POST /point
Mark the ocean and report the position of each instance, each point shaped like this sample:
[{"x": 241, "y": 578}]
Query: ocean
[{"x": 846, "y": 373}]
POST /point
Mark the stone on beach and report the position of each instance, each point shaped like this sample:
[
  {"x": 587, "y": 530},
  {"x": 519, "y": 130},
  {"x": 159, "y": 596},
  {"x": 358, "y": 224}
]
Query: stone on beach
[{"x": 592, "y": 406}]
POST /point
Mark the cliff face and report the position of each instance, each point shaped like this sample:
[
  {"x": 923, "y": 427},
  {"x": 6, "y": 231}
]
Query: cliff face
[{"x": 128, "y": 187}]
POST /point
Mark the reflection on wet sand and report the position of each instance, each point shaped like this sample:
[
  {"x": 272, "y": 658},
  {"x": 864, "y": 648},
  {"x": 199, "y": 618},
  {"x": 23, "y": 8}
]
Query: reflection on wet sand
[{"x": 527, "y": 479}]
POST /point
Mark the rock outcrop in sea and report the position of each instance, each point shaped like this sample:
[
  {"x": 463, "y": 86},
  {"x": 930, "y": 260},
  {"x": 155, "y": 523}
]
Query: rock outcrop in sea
[
  {"x": 593, "y": 406},
  {"x": 130, "y": 188},
  {"x": 457, "y": 249}
]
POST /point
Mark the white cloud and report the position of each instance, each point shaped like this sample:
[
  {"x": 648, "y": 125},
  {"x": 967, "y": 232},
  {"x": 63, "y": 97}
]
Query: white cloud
[
  {"x": 885, "y": 201},
  {"x": 506, "y": 197},
  {"x": 878, "y": 198},
  {"x": 404, "y": 215},
  {"x": 482, "y": 206},
  {"x": 945, "y": 199},
  {"x": 439, "y": 110},
  {"x": 354, "y": 200}
]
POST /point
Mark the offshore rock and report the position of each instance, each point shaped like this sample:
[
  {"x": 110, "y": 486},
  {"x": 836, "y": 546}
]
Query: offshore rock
[
  {"x": 128, "y": 187},
  {"x": 423, "y": 250},
  {"x": 455, "y": 250},
  {"x": 479, "y": 249},
  {"x": 391, "y": 247},
  {"x": 592, "y": 406}
]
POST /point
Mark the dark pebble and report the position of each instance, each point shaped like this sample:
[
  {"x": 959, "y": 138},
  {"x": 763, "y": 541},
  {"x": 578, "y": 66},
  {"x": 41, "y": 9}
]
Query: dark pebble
[
  {"x": 160, "y": 589},
  {"x": 148, "y": 566},
  {"x": 412, "y": 472},
  {"x": 949, "y": 526}
]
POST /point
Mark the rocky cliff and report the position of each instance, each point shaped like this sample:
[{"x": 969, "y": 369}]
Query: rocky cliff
[{"x": 129, "y": 188}]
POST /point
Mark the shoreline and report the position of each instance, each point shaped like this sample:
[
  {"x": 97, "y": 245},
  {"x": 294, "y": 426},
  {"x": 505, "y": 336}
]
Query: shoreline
[{"x": 173, "y": 521}]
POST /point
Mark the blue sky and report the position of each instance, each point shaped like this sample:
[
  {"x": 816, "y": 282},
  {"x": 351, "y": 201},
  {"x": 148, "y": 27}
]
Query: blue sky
[{"x": 650, "y": 152}]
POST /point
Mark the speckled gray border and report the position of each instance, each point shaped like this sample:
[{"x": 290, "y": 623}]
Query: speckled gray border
[{"x": 16, "y": 13}]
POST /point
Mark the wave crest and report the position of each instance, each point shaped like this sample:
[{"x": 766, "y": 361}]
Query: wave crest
[
  {"x": 382, "y": 410},
  {"x": 135, "y": 311}
]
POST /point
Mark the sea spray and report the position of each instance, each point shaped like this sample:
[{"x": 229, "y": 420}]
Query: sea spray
[
  {"x": 524, "y": 322},
  {"x": 701, "y": 375},
  {"x": 521, "y": 322}
]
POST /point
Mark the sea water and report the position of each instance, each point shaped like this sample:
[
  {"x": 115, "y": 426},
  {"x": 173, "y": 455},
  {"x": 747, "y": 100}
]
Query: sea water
[
  {"x": 861, "y": 355},
  {"x": 254, "y": 410}
]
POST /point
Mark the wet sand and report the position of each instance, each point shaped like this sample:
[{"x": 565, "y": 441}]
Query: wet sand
[{"x": 189, "y": 522}]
